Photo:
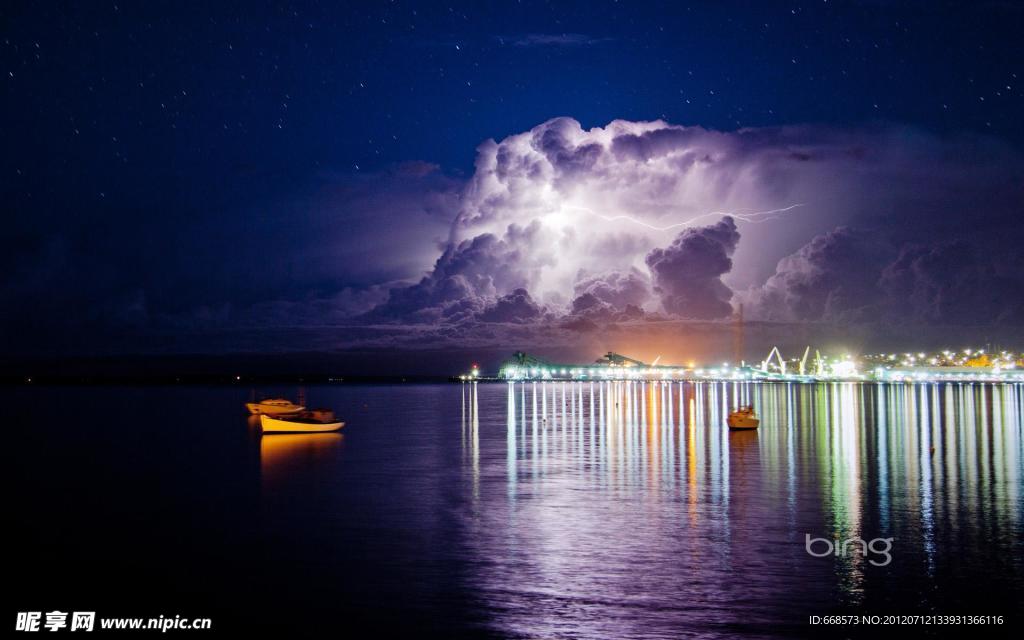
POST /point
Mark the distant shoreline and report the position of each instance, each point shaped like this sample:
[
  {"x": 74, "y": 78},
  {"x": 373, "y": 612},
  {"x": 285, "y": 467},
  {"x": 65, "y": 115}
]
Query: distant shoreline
[
  {"x": 244, "y": 382},
  {"x": 341, "y": 367},
  {"x": 212, "y": 380}
]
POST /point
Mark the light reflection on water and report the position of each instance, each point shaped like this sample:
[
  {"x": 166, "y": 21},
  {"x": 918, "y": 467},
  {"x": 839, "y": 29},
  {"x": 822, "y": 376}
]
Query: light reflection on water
[
  {"x": 630, "y": 510},
  {"x": 609, "y": 510},
  {"x": 285, "y": 456}
]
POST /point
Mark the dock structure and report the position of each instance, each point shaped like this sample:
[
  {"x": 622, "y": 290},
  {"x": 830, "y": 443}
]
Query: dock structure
[
  {"x": 774, "y": 368},
  {"x": 615, "y": 366}
]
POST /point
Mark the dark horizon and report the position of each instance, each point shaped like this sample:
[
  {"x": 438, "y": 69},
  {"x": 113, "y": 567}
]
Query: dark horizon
[{"x": 705, "y": 344}]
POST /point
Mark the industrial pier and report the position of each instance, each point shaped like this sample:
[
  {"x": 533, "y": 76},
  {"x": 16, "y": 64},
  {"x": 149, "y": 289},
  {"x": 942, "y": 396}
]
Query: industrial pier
[{"x": 966, "y": 366}]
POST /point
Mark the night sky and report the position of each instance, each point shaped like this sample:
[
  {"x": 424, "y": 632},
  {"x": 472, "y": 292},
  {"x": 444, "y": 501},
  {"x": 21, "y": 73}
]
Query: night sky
[{"x": 179, "y": 177}]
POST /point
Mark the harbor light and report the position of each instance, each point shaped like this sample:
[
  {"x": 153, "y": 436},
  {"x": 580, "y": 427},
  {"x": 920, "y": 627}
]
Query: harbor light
[
  {"x": 844, "y": 369},
  {"x": 881, "y": 367}
]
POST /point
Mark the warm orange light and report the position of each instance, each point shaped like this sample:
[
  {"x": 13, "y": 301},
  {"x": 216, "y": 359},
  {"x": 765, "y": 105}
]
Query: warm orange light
[{"x": 281, "y": 454}]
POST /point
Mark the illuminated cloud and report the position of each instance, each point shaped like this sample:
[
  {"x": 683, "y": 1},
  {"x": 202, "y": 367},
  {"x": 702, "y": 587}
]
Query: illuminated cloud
[
  {"x": 468, "y": 277},
  {"x": 613, "y": 291},
  {"x": 597, "y": 202},
  {"x": 831, "y": 278},
  {"x": 517, "y": 306},
  {"x": 688, "y": 273},
  {"x": 849, "y": 276},
  {"x": 635, "y": 219},
  {"x": 561, "y": 235}
]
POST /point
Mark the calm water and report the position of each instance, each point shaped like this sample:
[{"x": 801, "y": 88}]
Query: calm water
[{"x": 550, "y": 510}]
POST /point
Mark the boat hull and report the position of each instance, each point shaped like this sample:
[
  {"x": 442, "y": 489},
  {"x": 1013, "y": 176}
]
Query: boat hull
[
  {"x": 258, "y": 409},
  {"x": 743, "y": 422},
  {"x": 281, "y": 424},
  {"x": 743, "y": 418}
]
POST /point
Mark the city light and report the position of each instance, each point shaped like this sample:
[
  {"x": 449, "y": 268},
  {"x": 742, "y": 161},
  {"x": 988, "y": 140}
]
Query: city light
[{"x": 966, "y": 365}]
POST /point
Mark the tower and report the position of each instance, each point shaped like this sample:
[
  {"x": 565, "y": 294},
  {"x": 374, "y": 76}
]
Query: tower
[{"x": 737, "y": 335}]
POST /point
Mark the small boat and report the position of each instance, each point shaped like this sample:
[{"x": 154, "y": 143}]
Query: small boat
[
  {"x": 315, "y": 421},
  {"x": 743, "y": 418},
  {"x": 273, "y": 406}
]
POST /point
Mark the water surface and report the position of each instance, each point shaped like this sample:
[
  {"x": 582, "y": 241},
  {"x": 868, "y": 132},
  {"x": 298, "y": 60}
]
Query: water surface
[{"x": 569, "y": 510}]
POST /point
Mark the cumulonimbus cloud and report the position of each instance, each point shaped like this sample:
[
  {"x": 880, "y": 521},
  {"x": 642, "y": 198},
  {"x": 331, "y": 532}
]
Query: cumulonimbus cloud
[
  {"x": 648, "y": 216},
  {"x": 833, "y": 277},
  {"x": 610, "y": 293},
  {"x": 688, "y": 273},
  {"x": 570, "y": 215},
  {"x": 565, "y": 233}
]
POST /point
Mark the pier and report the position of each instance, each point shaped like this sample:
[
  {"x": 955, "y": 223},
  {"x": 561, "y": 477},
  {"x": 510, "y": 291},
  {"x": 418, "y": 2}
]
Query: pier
[{"x": 1002, "y": 368}]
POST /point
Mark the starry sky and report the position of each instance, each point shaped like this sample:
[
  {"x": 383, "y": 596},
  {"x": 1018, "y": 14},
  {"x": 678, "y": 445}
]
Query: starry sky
[{"x": 213, "y": 173}]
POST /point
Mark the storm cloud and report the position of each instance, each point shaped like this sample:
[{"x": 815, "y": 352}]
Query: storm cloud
[
  {"x": 611, "y": 292},
  {"x": 851, "y": 276},
  {"x": 688, "y": 273},
  {"x": 583, "y": 230},
  {"x": 834, "y": 277},
  {"x": 566, "y": 229},
  {"x": 562, "y": 231},
  {"x": 954, "y": 282},
  {"x": 517, "y": 306}
]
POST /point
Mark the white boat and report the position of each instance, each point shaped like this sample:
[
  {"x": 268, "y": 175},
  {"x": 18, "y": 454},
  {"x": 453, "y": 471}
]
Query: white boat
[
  {"x": 273, "y": 406},
  {"x": 743, "y": 418},
  {"x": 315, "y": 421}
]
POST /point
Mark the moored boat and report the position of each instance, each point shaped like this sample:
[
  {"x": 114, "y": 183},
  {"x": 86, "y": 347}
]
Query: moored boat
[
  {"x": 315, "y": 421},
  {"x": 273, "y": 406},
  {"x": 743, "y": 418}
]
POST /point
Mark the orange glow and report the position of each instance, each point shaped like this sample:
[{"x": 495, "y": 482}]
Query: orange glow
[
  {"x": 691, "y": 459},
  {"x": 282, "y": 455}
]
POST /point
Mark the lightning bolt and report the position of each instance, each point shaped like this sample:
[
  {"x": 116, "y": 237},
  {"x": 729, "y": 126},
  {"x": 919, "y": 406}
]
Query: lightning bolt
[{"x": 740, "y": 214}]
